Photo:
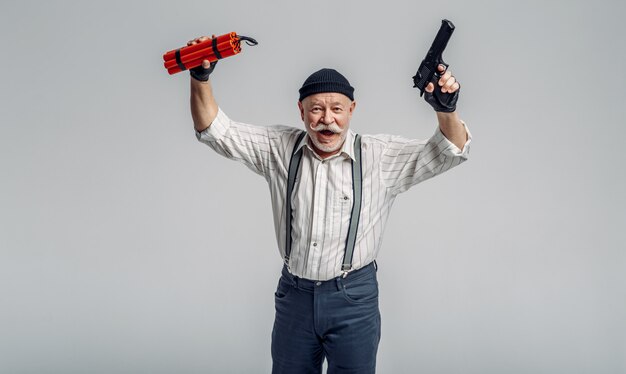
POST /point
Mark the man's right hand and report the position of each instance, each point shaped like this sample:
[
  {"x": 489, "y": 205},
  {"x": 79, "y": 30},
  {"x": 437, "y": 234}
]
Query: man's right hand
[{"x": 202, "y": 72}]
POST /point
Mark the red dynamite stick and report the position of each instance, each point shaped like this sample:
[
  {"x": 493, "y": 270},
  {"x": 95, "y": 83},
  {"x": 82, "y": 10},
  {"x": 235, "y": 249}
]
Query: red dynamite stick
[
  {"x": 187, "y": 61},
  {"x": 186, "y": 55},
  {"x": 207, "y": 53},
  {"x": 195, "y": 47},
  {"x": 192, "y": 48},
  {"x": 192, "y": 56},
  {"x": 174, "y": 68},
  {"x": 208, "y": 56},
  {"x": 191, "y": 63},
  {"x": 199, "y": 55},
  {"x": 222, "y": 48}
]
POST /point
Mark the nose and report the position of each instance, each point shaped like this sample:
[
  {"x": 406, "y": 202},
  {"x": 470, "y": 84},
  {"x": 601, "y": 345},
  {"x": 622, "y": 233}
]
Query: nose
[{"x": 327, "y": 118}]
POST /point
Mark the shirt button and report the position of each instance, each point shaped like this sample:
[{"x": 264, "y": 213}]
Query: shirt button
[
  {"x": 318, "y": 283},
  {"x": 315, "y": 244},
  {"x": 345, "y": 197}
]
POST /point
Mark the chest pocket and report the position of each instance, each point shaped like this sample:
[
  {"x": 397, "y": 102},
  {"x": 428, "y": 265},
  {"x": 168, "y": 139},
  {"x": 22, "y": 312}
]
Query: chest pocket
[{"x": 342, "y": 206}]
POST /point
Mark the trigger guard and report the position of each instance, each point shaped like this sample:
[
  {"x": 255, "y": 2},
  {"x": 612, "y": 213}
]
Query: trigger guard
[
  {"x": 437, "y": 75},
  {"x": 444, "y": 70}
]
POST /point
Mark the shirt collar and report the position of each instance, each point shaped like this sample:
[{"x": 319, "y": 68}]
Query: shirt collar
[{"x": 347, "y": 149}]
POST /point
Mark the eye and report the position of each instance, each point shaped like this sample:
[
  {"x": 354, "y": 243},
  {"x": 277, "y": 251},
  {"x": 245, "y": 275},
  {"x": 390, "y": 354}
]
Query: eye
[
  {"x": 338, "y": 109},
  {"x": 316, "y": 109}
]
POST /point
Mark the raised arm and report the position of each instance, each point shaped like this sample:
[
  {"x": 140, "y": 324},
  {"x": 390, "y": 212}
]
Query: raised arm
[
  {"x": 449, "y": 121},
  {"x": 203, "y": 105}
]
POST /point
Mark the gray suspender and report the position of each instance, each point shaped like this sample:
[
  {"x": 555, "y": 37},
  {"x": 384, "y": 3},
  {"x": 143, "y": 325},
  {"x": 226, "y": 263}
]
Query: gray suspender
[
  {"x": 294, "y": 164},
  {"x": 357, "y": 186}
]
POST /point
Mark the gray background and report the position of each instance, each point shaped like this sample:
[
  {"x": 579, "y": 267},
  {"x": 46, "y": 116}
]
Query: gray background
[{"x": 128, "y": 247}]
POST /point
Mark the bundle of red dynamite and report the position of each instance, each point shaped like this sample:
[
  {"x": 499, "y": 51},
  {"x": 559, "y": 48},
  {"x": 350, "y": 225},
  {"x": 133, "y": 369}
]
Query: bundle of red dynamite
[{"x": 213, "y": 49}]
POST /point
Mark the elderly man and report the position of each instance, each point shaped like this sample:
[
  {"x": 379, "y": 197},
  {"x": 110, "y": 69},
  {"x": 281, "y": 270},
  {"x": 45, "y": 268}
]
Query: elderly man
[{"x": 331, "y": 192}]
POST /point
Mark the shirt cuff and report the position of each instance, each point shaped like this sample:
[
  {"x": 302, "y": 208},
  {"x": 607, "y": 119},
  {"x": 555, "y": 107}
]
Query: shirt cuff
[
  {"x": 449, "y": 147},
  {"x": 216, "y": 130}
]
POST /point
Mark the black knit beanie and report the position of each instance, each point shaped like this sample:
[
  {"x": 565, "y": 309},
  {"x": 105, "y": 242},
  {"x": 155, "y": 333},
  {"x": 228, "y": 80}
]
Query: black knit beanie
[{"x": 326, "y": 80}]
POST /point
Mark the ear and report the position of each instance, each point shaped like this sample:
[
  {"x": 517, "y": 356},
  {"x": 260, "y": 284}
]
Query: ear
[
  {"x": 351, "y": 109},
  {"x": 301, "y": 110}
]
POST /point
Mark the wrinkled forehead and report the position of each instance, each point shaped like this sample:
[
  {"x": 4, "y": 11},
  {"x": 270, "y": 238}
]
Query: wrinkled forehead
[{"x": 327, "y": 98}]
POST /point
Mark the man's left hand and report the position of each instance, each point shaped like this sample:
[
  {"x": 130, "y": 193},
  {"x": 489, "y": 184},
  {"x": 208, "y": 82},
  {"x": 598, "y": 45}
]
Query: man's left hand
[{"x": 444, "y": 98}]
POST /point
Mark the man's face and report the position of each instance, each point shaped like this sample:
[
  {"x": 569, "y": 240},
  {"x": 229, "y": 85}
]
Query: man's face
[{"x": 326, "y": 117}]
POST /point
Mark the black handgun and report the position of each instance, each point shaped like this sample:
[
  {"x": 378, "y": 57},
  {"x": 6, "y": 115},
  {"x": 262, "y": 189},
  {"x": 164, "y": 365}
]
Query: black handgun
[{"x": 427, "y": 72}]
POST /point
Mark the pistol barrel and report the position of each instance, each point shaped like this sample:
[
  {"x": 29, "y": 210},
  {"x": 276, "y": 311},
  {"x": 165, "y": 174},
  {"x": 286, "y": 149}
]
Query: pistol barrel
[{"x": 442, "y": 38}]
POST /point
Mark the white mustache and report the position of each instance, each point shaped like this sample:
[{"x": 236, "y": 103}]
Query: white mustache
[{"x": 332, "y": 127}]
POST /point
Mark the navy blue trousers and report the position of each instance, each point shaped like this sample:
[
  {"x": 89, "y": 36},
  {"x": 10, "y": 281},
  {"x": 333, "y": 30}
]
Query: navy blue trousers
[{"x": 336, "y": 319}]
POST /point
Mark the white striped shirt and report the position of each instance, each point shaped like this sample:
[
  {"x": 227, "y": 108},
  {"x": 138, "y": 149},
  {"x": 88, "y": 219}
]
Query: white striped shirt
[{"x": 322, "y": 195}]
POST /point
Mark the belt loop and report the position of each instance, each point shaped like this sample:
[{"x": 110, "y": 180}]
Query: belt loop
[
  {"x": 339, "y": 283},
  {"x": 293, "y": 280}
]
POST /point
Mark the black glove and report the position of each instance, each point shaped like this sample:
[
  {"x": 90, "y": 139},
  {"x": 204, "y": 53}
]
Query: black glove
[
  {"x": 440, "y": 101},
  {"x": 202, "y": 74}
]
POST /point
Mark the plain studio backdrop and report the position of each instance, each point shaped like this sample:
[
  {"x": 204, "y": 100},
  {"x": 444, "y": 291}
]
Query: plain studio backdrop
[{"x": 126, "y": 246}]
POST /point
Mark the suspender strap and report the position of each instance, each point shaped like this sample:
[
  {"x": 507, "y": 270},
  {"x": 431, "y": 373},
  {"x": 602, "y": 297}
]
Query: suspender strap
[
  {"x": 357, "y": 192},
  {"x": 294, "y": 164},
  {"x": 357, "y": 187}
]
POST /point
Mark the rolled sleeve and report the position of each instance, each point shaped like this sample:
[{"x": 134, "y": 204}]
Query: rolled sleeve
[
  {"x": 217, "y": 130},
  {"x": 450, "y": 149},
  {"x": 407, "y": 162},
  {"x": 246, "y": 143}
]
